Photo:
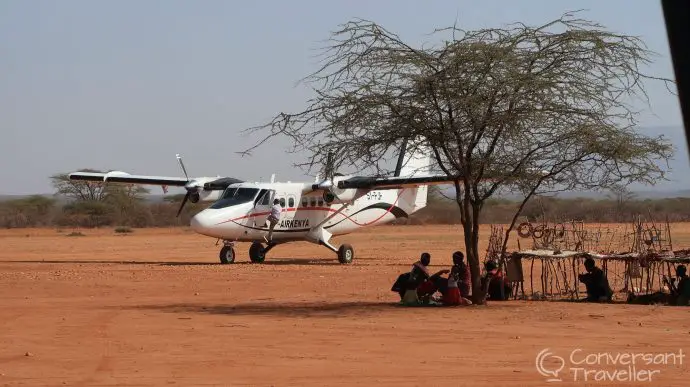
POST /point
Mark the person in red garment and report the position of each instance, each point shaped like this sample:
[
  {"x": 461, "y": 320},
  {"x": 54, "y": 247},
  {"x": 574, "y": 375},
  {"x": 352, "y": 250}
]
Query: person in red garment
[
  {"x": 453, "y": 289},
  {"x": 407, "y": 285},
  {"x": 461, "y": 274},
  {"x": 494, "y": 280},
  {"x": 424, "y": 283}
]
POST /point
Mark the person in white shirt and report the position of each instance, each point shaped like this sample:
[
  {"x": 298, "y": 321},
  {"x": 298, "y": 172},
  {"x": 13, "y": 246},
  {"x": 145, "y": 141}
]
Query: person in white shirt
[{"x": 273, "y": 219}]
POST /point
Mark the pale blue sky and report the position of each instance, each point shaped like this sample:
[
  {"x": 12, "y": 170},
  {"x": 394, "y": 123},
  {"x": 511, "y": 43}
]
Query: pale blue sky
[{"x": 127, "y": 84}]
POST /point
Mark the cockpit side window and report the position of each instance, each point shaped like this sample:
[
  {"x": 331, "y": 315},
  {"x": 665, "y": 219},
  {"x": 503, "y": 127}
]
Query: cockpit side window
[
  {"x": 261, "y": 197},
  {"x": 264, "y": 198},
  {"x": 267, "y": 198}
]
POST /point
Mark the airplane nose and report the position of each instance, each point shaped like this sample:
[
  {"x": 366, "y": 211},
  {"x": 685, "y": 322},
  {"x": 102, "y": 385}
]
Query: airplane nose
[{"x": 200, "y": 223}]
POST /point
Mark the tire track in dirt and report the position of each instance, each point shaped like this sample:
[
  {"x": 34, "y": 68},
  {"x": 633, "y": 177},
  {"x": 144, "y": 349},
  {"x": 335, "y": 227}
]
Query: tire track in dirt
[{"x": 101, "y": 325}]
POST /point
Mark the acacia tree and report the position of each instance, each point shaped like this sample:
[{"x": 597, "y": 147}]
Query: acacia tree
[
  {"x": 86, "y": 191},
  {"x": 533, "y": 109},
  {"x": 79, "y": 190},
  {"x": 621, "y": 195}
]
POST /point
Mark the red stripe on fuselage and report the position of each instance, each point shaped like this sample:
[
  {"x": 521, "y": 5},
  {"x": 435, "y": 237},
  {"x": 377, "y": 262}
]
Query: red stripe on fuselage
[{"x": 327, "y": 209}]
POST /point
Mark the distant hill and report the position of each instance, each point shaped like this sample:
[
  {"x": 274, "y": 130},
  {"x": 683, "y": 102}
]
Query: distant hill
[{"x": 660, "y": 194}]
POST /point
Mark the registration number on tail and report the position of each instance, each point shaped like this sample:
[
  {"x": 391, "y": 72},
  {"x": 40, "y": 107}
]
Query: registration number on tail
[{"x": 374, "y": 195}]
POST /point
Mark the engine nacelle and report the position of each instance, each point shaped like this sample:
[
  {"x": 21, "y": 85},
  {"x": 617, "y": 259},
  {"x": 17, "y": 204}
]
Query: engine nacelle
[
  {"x": 325, "y": 185},
  {"x": 206, "y": 196},
  {"x": 338, "y": 196}
]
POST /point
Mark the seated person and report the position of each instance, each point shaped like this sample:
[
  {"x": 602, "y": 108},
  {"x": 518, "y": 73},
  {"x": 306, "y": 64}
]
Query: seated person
[
  {"x": 495, "y": 282},
  {"x": 414, "y": 278},
  {"x": 452, "y": 295},
  {"x": 679, "y": 287},
  {"x": 461, "y": 274},
  {"x": 598, "y": 289},
  {"x": 454, "y": 289},
  {"x": 420, "y": 270}
]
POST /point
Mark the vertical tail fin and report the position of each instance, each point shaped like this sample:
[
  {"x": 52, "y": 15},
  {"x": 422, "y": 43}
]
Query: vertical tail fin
[{"x": 415, "y": 162}]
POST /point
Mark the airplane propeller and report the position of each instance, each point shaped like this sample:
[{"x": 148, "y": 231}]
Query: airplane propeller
[
  {"x": 194, "y": 187},
  {"x": 191, "y": 189}
]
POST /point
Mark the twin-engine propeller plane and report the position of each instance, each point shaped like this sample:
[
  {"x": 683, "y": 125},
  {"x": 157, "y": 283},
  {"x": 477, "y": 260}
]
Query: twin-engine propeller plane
[{"x": 311, "y": 212}]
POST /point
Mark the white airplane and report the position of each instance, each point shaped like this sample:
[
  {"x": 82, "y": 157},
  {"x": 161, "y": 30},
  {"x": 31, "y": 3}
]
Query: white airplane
[{"x": 311, "y": 212}]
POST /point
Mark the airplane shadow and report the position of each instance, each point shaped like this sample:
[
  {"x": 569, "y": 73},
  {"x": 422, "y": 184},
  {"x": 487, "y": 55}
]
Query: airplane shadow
[
  {"x": 315, "y": 309},
  {"x": 102, "y": 262},
  {"x": 268, "y": 261},
  {"x": 284, "y": 309},
  {"x": 295, "y": 261}
]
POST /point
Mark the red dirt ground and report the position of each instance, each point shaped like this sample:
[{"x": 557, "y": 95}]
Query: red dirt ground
[{"x": 155, "y": 308}]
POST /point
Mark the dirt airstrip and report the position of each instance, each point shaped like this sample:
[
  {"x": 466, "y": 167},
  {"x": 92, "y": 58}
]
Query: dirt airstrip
[{"x": 155, "y": 307}]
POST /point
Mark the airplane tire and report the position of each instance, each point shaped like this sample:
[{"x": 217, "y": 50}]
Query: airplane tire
[
  {"x": 257, "y": 252},
  {"x": 227, "y": 255},
  {"x": 346, "y": 254}
]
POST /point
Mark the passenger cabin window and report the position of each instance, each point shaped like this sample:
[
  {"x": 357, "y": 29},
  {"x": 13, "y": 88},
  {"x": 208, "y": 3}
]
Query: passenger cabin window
[
  {"x": 235, "y": 196},
  {"x": 313, "y": 201},
  {"x": 282, "y": 202},
  {"x": 291, "y": 202},
  {"x": 305, "y": 201},
  {"x": 320, "y": 202}
]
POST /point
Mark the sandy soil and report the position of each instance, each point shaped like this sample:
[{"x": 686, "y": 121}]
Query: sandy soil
[{"x": 155, "y": 308}]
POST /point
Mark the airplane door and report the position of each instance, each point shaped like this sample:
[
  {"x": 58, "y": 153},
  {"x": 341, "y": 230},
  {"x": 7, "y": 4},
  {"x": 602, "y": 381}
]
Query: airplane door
[{"x": 262, "y": 206}]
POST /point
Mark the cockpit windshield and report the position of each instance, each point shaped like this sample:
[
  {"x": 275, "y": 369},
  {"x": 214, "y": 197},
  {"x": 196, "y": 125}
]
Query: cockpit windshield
[{"x": 234, "y": 196}]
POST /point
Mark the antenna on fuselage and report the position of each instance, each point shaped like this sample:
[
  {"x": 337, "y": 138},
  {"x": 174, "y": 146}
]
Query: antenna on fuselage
[
  {"x": 273, "y": 178},
  {"x": 401, "y": 158}
]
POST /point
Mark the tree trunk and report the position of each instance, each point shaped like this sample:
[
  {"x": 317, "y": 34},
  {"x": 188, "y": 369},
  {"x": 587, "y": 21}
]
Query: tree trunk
[{"x": 469, "y": 217}]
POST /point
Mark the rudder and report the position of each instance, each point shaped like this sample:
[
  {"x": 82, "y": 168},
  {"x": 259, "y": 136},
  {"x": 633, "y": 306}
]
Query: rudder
[{"x": 415, "y": 164}]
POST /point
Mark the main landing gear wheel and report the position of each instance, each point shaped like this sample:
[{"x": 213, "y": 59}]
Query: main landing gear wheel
[
  {"x": 257, "y": 252},
  {"x": 346, "y": 254},
  {"x": 227, "y": 255}
]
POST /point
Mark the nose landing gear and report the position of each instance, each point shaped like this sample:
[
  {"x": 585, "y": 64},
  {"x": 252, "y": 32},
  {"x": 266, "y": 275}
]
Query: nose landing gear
[{"x": 227, "y": 253}]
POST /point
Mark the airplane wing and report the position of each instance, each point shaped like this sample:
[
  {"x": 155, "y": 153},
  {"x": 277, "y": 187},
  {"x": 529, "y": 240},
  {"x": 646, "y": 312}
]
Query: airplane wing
[
  {"x": 392, "y": 182},
  {"x": 126, "y": 178},
  {"x": 209, "y": 183},
  {"x": 361, "y": 182}
]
